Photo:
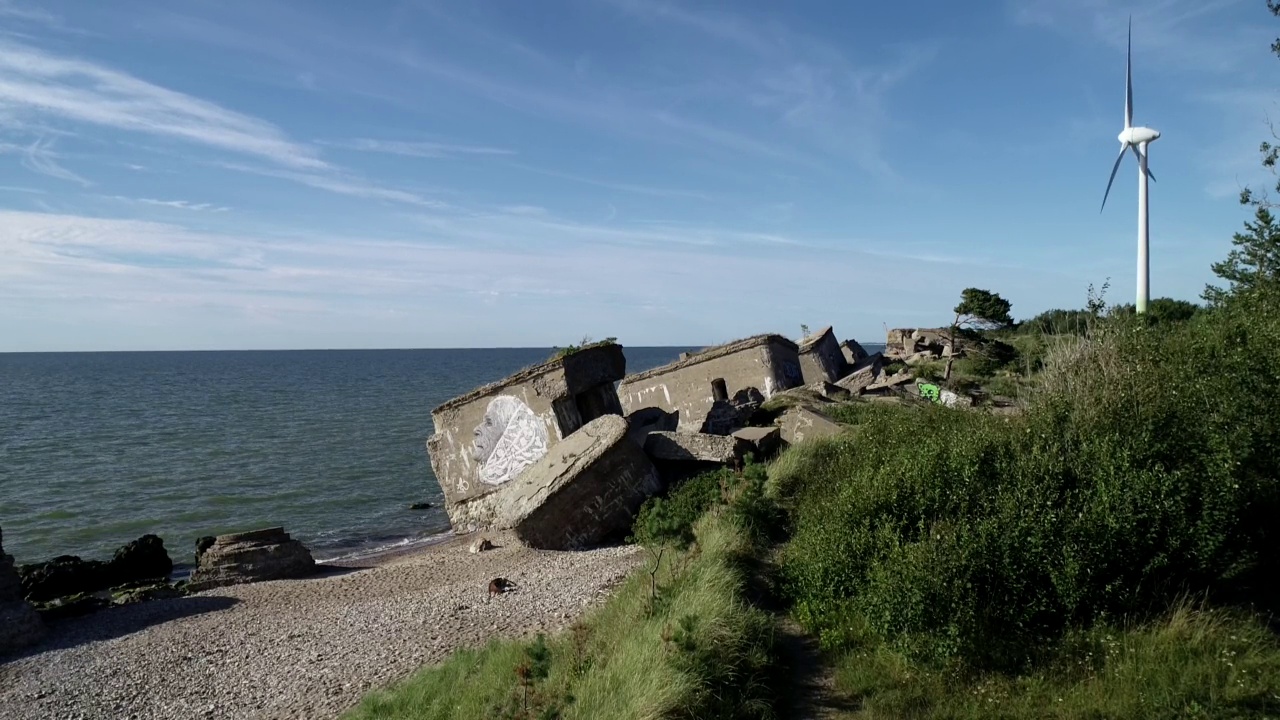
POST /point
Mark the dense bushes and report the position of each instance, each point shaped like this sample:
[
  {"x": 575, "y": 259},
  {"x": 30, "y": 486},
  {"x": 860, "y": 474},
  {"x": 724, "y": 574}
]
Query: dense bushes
[{"x": 1144, "y": 469}]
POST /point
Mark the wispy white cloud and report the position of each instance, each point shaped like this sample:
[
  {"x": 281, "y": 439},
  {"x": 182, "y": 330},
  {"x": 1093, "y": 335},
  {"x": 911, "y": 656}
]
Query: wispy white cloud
[
  {"x": 40, "y": 158},
  {"x": 38, "y": 85},
  {"x": 341, "y": 184},
  {"x": 176, "y": 204},
  {"x": 21, "y": 11},
  {"x": 839, "y": 105},
  {"x": 716, "y": 24},
  {"x": 1166, "y": 33},
  {"x": 423, "y": 149},
  {"x": 613, "y": 110}
]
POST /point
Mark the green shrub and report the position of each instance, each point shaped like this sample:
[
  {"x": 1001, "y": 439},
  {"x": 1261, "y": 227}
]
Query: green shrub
[
  {"x": 1058, "y": 322},
  {"x": 931, "y": 370},
  {"x": 1144, "y": 468},
  {"x": 669, "y": 519}
]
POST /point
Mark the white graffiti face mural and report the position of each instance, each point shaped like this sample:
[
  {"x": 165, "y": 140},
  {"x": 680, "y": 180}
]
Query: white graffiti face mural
[{"x": 508, "y": 440}]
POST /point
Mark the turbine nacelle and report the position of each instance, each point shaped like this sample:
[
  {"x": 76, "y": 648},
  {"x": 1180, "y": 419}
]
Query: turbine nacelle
[{"x": 1138, "y": 135}]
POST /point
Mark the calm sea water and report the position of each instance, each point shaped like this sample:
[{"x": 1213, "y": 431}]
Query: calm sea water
[{"x": 97, "y": 449}]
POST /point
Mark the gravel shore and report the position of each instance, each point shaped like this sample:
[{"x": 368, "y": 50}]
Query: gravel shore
[{"x": 301, "y": 648}]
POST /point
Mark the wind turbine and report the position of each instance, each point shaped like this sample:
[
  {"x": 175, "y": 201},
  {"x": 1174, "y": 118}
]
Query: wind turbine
[{"x": 1136, "y": 139}]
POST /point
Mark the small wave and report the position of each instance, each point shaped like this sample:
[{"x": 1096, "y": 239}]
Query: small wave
[{"x": 401, "y": 544}]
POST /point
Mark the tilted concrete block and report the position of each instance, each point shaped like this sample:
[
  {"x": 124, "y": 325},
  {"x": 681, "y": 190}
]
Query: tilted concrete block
[{"x": 583, "y": 489}]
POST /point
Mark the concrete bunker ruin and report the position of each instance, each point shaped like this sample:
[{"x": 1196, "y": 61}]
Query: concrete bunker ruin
[
  {"x": 701, "y": 386},
  {"x": 821, "y": 358},
  {"x": 489, "y": 436}
]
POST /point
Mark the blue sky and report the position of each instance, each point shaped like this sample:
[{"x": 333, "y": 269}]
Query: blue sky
[{"x": 330, "y": 174}]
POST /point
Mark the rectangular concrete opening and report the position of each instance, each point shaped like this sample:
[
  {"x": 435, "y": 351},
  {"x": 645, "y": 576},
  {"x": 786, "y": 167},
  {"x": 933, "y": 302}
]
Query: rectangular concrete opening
[
  {"x": 719, "y": 391},
  {"x": 597, "y": 402}
]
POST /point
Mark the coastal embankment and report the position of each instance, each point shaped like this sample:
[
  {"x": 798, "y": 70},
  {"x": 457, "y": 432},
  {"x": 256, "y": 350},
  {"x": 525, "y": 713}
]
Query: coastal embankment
[{"x": 302, "y": 648}]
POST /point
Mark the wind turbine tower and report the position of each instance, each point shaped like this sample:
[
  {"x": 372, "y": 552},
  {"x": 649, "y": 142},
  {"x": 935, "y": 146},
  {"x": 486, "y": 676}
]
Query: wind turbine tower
[{"x": 1137, "y": 139}]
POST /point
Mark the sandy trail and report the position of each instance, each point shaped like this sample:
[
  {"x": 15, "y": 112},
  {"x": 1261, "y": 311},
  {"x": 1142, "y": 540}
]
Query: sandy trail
[{"x": 301, "y": 648}]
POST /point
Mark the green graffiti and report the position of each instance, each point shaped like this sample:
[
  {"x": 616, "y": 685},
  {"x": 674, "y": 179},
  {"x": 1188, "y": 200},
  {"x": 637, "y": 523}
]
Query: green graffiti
[{"x": 931, "y": 391}]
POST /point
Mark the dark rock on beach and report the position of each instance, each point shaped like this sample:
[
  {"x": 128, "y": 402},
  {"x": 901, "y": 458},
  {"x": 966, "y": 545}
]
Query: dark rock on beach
[
  {"x": 72, "y": 605},
  {"x": 20, "y": 626},
  {"x": 202, "y": 544},
  {"x": 142, "y": 559},
  {"x": 67, "y": 575},
  {"x": 268, "y": 554},
  {"x": 62, "y": 576}
]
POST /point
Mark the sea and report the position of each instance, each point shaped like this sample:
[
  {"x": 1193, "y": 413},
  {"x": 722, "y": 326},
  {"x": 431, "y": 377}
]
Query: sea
[{"x": 97, "y": 449}]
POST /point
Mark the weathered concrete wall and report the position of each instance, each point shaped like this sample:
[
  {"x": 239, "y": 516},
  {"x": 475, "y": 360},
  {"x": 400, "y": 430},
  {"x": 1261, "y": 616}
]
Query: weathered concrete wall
[
  {"x": 583, "y": 489},
  {"x": 490, "y": 435},
  {"x": 821, "y": 359},
  {"x": 690, "y": 387}
]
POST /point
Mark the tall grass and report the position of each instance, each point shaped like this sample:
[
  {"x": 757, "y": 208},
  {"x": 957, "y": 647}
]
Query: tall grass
[{"x": 1192, "y": 663}]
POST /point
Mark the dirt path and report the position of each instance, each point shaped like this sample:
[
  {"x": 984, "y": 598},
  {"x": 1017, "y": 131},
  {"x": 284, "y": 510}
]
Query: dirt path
[{"x": 812, "y": 687}]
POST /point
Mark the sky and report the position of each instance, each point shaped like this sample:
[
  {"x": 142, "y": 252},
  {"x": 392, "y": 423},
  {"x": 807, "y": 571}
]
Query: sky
[{"x": 263, "y": 174}]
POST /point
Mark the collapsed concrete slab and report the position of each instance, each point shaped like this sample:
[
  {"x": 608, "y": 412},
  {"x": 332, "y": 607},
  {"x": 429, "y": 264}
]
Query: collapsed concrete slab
[
  {"x": 864, "y": 375},
  {"x": 763, "y": 441},
  {"x": 693, "y": 385},
  {"x": 488, "y": 436},
  {"x": 585, "y": 488},
  {"x": 798, "y": 424},
  {"x": 885, "y": 383},
  {"x": 821, "y": 359},
  {"x": 694, "y": 447}
]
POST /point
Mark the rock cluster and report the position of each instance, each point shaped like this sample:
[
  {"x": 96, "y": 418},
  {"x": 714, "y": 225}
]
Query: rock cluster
[
  {"x": 254, "y": 556},
  {"x": 20, "y": 626},
  {"x": 144, "y": 559}
]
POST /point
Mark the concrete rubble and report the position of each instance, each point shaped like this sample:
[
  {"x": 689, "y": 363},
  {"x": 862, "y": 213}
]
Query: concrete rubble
[
  {"x": 564, "y": 453},
  {"x": 694, "y": 447}
]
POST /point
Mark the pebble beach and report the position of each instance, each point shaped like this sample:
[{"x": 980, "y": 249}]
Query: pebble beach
[{"x": 308, "y": 648}]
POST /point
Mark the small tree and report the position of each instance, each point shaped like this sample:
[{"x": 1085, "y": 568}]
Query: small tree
[
  {"x": 978, "y": 309},
  {"x": 1254, "y": 261}
]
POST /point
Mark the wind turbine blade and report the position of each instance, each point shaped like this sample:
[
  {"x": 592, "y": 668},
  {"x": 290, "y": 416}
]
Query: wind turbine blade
[
  {"x": 1114, "y": 168},
  {"x": 1138, "y": 154},
  {"x": 1128, "y": 80}
]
